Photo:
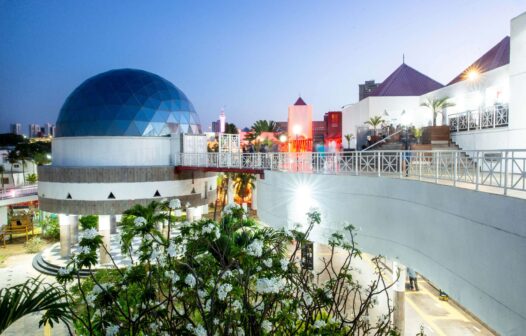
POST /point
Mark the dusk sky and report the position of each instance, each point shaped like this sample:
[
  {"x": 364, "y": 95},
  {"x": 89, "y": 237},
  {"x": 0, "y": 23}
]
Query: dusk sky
[{"x": 253, "y": 57}]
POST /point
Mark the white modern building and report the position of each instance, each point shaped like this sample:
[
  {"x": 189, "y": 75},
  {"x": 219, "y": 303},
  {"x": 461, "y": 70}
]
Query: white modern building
[
  {"x": 117, "y": 140},
  {"x": 490, "y": 105}
]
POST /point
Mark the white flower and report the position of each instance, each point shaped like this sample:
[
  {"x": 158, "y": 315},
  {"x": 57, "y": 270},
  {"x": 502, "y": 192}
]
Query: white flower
[
  {"x": 227, "y": 274},
  {"x": 268, "y": 262},
  {"x": 190, "y": 280},
  {"x": 216, "y": 321},
  {"x": 319, "y": 324},
  {"x": 209, "y": 228},
  {"x": 112, "y": 330},
  {"x": 89, "y": 233},
  {"x": 174, "y": 204},
  {"x": 172, "y": 250},
  {"x": 227, "y": 210},
  {"x": 140, "y": 221},
  {"x": 201, "y": 293},
  {"x": 255, "y": 248},
  {"x": 269, "y": 285},
  {"x": 223, "y": 290},
  {"x": 240, "y": 331},
  {"x": 153, "y": 326},
  {"x": 307, "y": 298},
  {"x": 172, "y": 275},
  {"x": 284, "y": 264},
  {"x": 90, "y": 299},
  {"x": 64, "y": 271},
  {"x": 200, "y": 331},
  {"x": 236, "y": 305},
  {"x": 266, "y": 326},
  {"x": 84, "y": 250},
  {"x": 258, "y": 269}
]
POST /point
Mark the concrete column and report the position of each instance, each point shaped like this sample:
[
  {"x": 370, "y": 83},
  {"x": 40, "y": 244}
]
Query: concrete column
[
  {"x": 254, "y": 205},
  {"x": 190, "y": 214},
  {"x": 230, "y": 191},
  {"x": 399, "y": 271},
  {"x": 74, "y": 229},
  {"x": 65, "y": 235},
  {"x": 3, "y": 216},
  {"x": 104, "y": 231},
  {"x": 113, "y": 224}
]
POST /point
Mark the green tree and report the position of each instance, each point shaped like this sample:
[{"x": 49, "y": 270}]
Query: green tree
[
  {"x": 348, "y": 137},
  {"x": 33, "y": 296},
  {"x": 243, "y": 183},
  {"x": 438, "y": 105},
  {"x": 261, "y": 126},
  {"x": 230, "y": 277},
  {"x": 375, "y": 122},
  {"x": 231, "y": 129},
  {"x": 2, "y": 171}
]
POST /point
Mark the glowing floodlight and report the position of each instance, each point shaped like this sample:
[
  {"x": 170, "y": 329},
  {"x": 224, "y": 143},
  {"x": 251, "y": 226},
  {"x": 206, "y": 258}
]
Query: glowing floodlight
[
  {"x": 296, "y": 129},
  {"x": 283, "y": 138},
  {"x": 473, "y": 74}
]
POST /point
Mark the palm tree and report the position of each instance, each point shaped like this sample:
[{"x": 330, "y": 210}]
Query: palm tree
[
  {"x": 12, "y": 158},
  {"x": 375, "y": 122},
  {"x": 231, "y": 129},
  {"x": 348, "y": 137},
  {"x": 261, "y": 126},
  {"x": 2, "y": 171},
  {"x": 31, "y": 297},
  {"x": 243, "y": 183},
  {"x": 437, "y": 105}
]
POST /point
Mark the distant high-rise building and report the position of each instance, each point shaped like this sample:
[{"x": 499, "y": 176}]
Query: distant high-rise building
[
  {"x": 333, "y": 130},
  {"x": 16, "y": 129},
  {"x": 216, "y": 128},
  {"x": 50, "y": 130},
  {"x": 222, "y": 121},
  {"x": 34, "y": 130},
  {"x": 367, "y": 88}
]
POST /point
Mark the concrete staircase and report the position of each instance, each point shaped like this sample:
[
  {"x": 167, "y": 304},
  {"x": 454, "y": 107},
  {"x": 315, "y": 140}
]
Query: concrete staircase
[{"x": 41, "y": 265}]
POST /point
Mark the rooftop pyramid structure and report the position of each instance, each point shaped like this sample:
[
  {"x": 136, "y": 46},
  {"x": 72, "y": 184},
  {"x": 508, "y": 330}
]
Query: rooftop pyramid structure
[
  {"x": 406, "y": 81},
  {"x": 496, "y": 57},
  {"x": 300, "y": 102}
]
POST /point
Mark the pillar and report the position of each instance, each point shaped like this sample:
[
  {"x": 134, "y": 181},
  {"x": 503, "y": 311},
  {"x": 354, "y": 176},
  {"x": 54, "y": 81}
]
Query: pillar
[
  {"x": 74, "y": 229},
  {"x": 399, "y": 271},
  {"x": 190, "y": 213},
  {"x": 205, "y": 209},
  {"x": 104, "y": 231},
  {"x": 113, "y": 224},
  {"x": 254, "y": 205},
  {"x": 230, "y": 191},
  {"x": 3, "y": 216},
  {"x": 65, "y": 235}
]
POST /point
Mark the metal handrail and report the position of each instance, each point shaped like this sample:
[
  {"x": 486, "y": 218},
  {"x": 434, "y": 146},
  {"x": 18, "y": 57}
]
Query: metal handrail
[
  {"x": 382, "y": 140},
  {"x": 502, "y": 170}
]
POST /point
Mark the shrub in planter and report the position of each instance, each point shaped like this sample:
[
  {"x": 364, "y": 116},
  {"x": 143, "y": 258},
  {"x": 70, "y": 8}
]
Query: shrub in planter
[{"x": 34, "y": 245}]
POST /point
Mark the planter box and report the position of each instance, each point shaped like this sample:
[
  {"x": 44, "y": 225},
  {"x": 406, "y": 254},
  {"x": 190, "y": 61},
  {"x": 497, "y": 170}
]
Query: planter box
[{"x": 436, "y": 135}]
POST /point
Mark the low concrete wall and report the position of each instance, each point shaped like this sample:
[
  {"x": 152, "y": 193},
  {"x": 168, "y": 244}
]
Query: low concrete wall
[{"x": 471, "y": 244}]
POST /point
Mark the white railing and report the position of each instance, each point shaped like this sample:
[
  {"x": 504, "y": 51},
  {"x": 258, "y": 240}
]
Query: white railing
[
  {"x": 22, "y": 191},
  {"x": 490, "y": 117},
  {"x": 503, "y": 170}
]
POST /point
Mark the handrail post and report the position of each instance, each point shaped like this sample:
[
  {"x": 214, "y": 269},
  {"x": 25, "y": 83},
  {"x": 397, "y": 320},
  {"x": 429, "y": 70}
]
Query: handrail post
[
  {"x": 401, "y": 160},
  {"x": 477, "y": 181},
  {"x": 358, "y": 154},
  {"x": 436, "y": 166},
  {"x": 506, "y": 173},
  {"x": 379, "y": 164},
  {"x": 421, "y": 161},
  {"x": 455, "y": 170}
]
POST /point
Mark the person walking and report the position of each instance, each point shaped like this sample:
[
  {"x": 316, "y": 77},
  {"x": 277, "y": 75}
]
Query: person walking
[{"x": 413, "y": 284}]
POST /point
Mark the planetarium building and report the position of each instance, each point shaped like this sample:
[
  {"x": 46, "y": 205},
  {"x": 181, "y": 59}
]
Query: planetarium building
[{"x": 117, "y": 138}]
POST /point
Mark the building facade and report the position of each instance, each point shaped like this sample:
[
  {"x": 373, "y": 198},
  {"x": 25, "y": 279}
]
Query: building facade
[{"x": 126, "y": 155}]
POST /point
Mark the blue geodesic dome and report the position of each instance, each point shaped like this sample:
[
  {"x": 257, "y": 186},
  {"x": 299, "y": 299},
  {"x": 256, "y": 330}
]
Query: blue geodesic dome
[{"x": 127, "y": 102}]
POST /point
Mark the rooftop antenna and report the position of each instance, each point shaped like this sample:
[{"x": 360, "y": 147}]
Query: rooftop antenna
[{"x": 403, "y": 58}]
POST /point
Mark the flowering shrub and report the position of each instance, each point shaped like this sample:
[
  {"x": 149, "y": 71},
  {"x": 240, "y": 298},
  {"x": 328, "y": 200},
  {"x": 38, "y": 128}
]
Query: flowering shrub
[{"x": 232, "y": 277}]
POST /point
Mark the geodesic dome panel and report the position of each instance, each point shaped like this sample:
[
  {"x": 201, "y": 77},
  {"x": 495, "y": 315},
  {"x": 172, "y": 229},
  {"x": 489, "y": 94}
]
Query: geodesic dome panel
[{"x": 127, "y": 102}]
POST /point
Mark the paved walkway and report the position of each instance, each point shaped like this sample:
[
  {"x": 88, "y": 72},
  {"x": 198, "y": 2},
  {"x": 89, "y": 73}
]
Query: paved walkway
[{"x": 18, "y": 269}]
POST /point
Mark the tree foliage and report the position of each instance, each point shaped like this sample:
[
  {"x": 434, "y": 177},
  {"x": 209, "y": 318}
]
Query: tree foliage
[
  {"x": 231, "y": 277},
  {"x": 438, "y": 105}
]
